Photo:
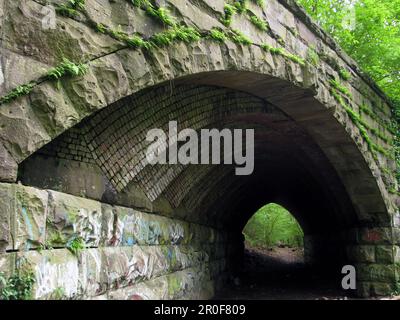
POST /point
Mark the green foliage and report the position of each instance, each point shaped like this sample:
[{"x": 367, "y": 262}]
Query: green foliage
[
  {"x": 101, "y": 28},
  {"x": 58, "y": 294},
  {"x": 341, "y": 88},
  {"x": 76, "y": 244},
  {"x": 17, "y": 92},
  {"x": 161, "y": 14},
  {"x": 259, "y": 23},
  {"x": 137, "y": 42},
  {"x": 186, "y": 34},
  {"x": 180, "y": 33},
  {"x": 17, "y": 287},
  {"x": 362, "y": 126},
  {"x": 67, "y": 68},
  {"x": 260, "y": 3},
  {"x": 312, "y": 56},
  {"x": 71, "y": 8},
  {"x": 240, "y": 6},
  {"x": 344, "y": 74},
  {"x": 218, "y": 35},
  {"x": 284, "y": 53},
  {"x": 373, "y": 41},
  {"x": 240, "y": 38},
  {"x": 272, "y": 225},
  {"x": 140, "y": 3},
  {"x": 229, "y": 12}
]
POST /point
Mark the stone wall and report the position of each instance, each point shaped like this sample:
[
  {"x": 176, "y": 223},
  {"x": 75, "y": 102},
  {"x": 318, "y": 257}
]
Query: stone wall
[{"x": 128, "y": 254}]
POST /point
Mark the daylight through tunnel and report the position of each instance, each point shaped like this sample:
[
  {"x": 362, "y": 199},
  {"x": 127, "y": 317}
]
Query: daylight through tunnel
[{"x": 303, "y": 159}]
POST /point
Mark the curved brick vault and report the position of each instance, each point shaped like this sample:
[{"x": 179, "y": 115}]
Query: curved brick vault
[{"x": 73, "y": 152}]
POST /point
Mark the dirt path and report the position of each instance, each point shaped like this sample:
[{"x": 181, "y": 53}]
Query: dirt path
[{"x": 280, "y": 274}]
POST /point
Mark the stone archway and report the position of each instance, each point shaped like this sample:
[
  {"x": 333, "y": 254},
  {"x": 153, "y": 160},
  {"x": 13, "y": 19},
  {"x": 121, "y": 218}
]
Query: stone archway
[{"x": 88, "y": 131}]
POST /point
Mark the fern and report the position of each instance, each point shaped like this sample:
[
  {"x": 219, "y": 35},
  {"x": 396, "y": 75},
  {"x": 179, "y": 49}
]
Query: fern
[
  {"x": 162, "y": 15},
  {"x": 217, "y": 34},
  {"x": 240, "y": 38},
  {"x": 229, "y": 11},
  {"x": 259, "y": 23},
  {"x": 17, "y": 92},
  {"x": 70, "y": 9},
  {"x": 67, "y": 68}
]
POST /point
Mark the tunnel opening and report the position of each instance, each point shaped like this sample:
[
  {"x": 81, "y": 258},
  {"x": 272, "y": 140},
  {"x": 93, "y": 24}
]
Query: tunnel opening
[
  {"x": 274, "y": 232},
  {"x": 271, "y": 265}
]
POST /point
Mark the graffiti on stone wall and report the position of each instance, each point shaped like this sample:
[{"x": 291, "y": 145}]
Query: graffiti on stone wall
[{"x": 50, "y": 277}]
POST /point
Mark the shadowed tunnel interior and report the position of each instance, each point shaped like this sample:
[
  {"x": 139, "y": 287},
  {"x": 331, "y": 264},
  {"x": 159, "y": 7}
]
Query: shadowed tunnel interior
[{"x": 103, "y": 158}]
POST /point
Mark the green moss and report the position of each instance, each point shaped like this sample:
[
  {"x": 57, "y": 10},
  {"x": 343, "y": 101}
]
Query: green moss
[
  {"x": 273, "y": 50},
  {"x": 341, "y": 88},
  {"x": 362, "y": 126},
  {"x": 344, "y": 74},
  {"x": 375, "y": 117},
  {"x": 284, "y": 53},
  {"x": 174, "y": 285},
  {"x": 57, "y": 239},
  {"x": 76, "y": 244},
  {"x": 281, "y": 41},
  {"x": 312, "y": 56},
  {"x": 240, "y": 38},
  {"x": 259, "y": 23},
  {"x": 217, "y": 34},
  {"x": 17, "y": 92},
  {"x": 295, "y": 58}
]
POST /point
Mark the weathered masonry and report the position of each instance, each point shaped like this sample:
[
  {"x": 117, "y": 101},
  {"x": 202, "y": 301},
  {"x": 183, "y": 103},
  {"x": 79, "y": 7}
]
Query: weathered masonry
[{"x": 83, "y": 213}]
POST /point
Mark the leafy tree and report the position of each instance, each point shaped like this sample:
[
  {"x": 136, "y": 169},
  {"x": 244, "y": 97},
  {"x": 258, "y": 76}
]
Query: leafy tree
[
  {"x": 369, "y": 31},
  {"x": 272, "y": 225}
]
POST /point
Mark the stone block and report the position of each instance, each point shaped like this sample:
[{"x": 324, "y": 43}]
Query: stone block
[
  {"x": 70, "y": 217},
  {"x": 376, "y": 273},
  {"x": 56, "y": 273},
  {"x": 361, "y": 253},
  {"x": 7, "y": 193},
  {"x": 7, "y": 264},
  {"x": 21, "y": 132},
  {"x": 30, "y": 217},
  {"x": 155, "y": 289},
  {"x": 53, "y": 108},
  {"x": 122, "y": 266},
  {"x": 8, "y": 166},
  {"x": 386, "y": 254},
  {"x": 108, "y": 227},
  {"x": 375, "y": 236},
  {"x": 90, "y": 272}
]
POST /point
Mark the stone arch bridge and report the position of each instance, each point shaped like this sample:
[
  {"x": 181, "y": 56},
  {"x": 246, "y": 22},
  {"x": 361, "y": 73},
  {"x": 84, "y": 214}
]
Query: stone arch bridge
[{"x": 84, "y": 81}]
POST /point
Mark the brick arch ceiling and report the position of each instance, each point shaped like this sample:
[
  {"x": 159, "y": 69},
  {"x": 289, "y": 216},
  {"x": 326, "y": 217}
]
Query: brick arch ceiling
[{"x": 291, "y": 168}]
